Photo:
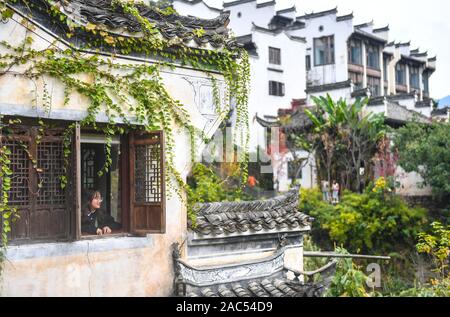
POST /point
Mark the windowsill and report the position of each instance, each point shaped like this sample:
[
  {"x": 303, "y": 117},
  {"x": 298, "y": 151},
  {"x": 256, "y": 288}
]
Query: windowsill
[
  {"x": 106, "y": 236},
  {"x": 91, "y": 244},
  {"x": 278, "y": 70},
  {"x": 374, "y": 68},
  {"x": 315, "y": 65}
]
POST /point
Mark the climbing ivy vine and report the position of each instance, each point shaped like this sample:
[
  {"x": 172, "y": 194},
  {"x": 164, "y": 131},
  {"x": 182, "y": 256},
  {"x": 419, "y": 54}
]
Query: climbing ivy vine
[{"x": 123, "y": 91}]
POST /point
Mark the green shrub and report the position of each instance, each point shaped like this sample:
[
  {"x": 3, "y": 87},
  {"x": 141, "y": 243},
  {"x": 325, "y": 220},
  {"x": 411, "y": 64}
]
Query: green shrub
[
  {"x": 349, "y": 280},
  {"x": 375, "y": 221}
]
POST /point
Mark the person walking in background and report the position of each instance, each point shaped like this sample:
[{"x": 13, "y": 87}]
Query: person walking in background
[
  {"x": 336, "y": 189},
  {"x": 326, "y": 191}
]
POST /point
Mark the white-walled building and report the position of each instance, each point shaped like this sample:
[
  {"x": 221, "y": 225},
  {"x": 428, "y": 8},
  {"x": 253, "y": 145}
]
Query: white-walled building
[
  {"x": 297, "y": 57},
  {"x": 196, "y": 8}
]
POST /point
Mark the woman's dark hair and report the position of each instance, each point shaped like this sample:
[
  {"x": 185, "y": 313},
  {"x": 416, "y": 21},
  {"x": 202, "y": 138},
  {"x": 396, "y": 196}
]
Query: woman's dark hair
[{"x": 89, "y": 196}]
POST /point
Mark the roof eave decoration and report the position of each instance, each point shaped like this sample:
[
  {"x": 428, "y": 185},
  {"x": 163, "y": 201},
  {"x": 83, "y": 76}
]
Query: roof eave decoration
[
  {"x": 345, "y": 17},
  {"x": 383, "y": 29},
  {"x": 268, "y": 277},
  {"x": 368, "y": 36},
  {"x": 278, "y": 214},
  {"x": 234, "y": 3},
  {"x": 326, "y": 87},
  {"x": 313, "y": 15},
  {"x": 363, "y": 25},
  {"x": 287, "y": 10},
  {"x": 115, "y": 21}
]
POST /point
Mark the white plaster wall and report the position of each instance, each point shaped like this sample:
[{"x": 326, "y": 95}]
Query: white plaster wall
[
  {"x": 410, "y": 104},
  {"x": 344, "y": 93},
  {"x": 291, "y": 14},
  {"x": 293, "y": 70},
  {"x": 199, "y": 9},
  {"x": 250, "y": 14},
  {"x": 337, "y": 72},
  {"x": 116, "y": 266},
  {"x": 410, "y": 184},
  {"x": 309, "y": 177}
]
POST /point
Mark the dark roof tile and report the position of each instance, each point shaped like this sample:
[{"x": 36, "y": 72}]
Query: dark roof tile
[{"x": 275, "y": 214}]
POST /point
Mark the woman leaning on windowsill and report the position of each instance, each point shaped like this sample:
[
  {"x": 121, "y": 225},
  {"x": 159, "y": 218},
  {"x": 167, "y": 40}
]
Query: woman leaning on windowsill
[{"x": 95, "y": 221}]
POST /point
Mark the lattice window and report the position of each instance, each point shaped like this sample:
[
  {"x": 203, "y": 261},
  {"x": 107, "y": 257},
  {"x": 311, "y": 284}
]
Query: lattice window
[
  {"x": 35, "y": 184},
  {"x": 19, "y": 194},
  {"x": 148, "y": 174},
  {"x": 50, "y": 158},
  {"x": 88, "y": 162}
]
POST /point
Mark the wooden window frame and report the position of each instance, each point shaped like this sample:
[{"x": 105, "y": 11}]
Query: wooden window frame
[
  {"x": 308, "y": 62},
  {"x": 45, "y": 217},
  {"x": 274, "y": 56},
  {"x": 276, "y": 88},
  {"x": 329, "y": 50},
  {"x": 370, "y": 48},
  {"x": 73, "y": 203},
  {"x": 133, "y": 142},
  {"x": 354, "y": 43},
  {"x": 403, "y": 81},
  {"x": 370, "y": 80}
]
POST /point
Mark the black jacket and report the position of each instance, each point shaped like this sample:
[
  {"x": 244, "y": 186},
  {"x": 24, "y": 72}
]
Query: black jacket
[{"x": 90, "y": 223}]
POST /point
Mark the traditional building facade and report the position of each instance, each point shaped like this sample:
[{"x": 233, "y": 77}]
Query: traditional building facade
[
  {"x": 276, "y": 56},
  {"x": 49, "y": 254}
]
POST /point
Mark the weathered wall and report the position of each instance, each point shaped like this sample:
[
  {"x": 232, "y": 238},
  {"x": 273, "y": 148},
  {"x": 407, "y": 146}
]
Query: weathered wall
[
  {"x": 126, "y": 266},
  {"x": 102, "y": 267}
]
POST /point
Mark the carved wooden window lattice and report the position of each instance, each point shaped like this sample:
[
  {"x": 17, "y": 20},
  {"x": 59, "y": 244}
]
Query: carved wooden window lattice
[
  {"x": 148, "y": 173},
  {"x": 147, "y": 195},
  {"x": 88, "y": 161},
  {"x": 51, "y": 161},
  {"x": 36, "y": 190},
  {"x": 20, "y": 166}
]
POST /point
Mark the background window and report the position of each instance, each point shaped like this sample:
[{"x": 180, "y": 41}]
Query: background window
[
  {"x": 357, "y": 79},
  {"x": 276, "y": 88},
  {"x": 355, "y": 52},
  {"x": 374, "y": 85},
  {"x": 425, "y": 82},
  {"x": 324, "y": 50},
  {"x": 373, "y": 56},
  {"x": 414, "y": 76},
  {"x": 294, "y": 170},
  {"x": 308, "y": 62},
  {"x": 274, "y": 56},
  {"x": 400, "y": 74}
]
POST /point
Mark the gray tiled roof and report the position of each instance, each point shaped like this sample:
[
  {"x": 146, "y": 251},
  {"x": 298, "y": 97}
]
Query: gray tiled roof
[
  {"x": 277, "y": 214},
  {"x": 267, "y": 277},
  {"x": 276, "y": 287},
  {"x": 398, "y": 113},
  {"x": 103, "y": 12}
]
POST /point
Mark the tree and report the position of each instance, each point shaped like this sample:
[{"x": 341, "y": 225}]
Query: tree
[
  {"x": 344, "y": 139},
  {"x": 425, "y": 149}
]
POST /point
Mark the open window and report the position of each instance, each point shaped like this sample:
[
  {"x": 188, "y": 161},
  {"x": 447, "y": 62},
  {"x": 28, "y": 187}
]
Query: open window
[
  {"x": 132, "y": 190},
  {"x": 93, "y": 155},
  {"x": 147, "y": 188}
]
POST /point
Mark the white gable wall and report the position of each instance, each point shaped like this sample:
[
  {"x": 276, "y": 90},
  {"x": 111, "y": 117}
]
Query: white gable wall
[
  {"x": 292, "y": 75},
  {"x": 337, "y": 72},
  {"x": 242, "y": 17},
  {"x": 198, "y": 9}
]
